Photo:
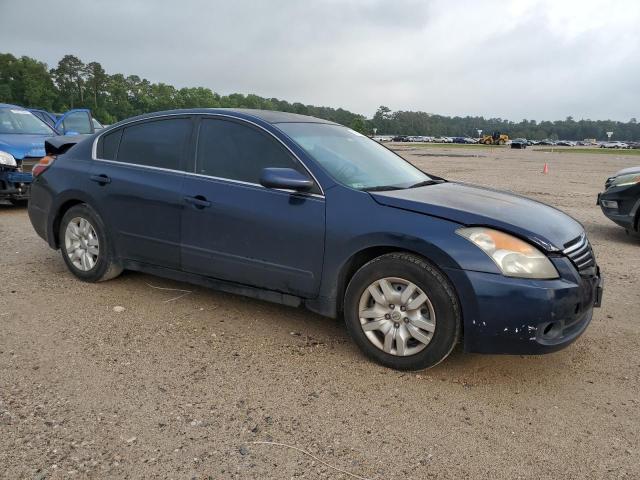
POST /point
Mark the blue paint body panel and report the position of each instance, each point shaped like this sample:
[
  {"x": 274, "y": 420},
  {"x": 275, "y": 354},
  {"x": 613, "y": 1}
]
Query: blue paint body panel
[{"x": 300, "y": 245}]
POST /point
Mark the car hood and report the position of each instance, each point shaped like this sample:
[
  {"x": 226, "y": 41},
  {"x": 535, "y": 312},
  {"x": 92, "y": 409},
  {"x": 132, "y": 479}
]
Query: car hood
[
  {"x": 626, "y": 171},
  {"x": 21, "y": 146},
  {"x": 543, "y": 225}
]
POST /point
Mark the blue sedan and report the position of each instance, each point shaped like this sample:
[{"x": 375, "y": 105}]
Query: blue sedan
[{"x": 306, "y": 212}]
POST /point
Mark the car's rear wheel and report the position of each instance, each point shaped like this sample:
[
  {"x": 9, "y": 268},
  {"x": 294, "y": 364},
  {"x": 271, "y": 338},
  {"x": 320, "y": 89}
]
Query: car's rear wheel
[
  {"x": 402, "y": 312},
  {"x": 85, "y": 245}
]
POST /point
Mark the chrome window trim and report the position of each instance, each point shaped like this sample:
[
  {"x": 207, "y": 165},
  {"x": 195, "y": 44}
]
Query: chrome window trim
[
  {"x": 94, "y": 150},
  {"x": 210, "y": 177}
]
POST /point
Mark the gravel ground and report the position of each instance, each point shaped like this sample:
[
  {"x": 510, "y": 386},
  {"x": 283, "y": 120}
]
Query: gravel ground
[{"x": 181, "y": 388}]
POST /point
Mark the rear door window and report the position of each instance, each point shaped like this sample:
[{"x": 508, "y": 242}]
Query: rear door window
[{"x": 157, "y": 143}]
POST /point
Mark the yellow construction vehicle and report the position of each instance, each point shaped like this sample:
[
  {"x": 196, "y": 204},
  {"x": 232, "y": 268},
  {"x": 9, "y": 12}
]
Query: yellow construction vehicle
[{"x": 496, "y": 139}]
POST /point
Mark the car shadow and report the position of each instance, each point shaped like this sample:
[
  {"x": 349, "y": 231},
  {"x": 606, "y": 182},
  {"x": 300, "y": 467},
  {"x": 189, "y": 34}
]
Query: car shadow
[
  {"x": 611, "y": 233},
  {"x": 299, "y": 328},
  {"x": 6, "y": 205}
]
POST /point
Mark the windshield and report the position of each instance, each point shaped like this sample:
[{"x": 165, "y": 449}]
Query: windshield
[
  {"x": 14, "y": 120},
  {"x": 353, "y": 159}
]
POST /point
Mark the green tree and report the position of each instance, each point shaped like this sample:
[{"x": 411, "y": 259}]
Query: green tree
[
  {"x": 358, "y": 125},
  {"x": 69, "y": 77},
  {"x": 26, "y": 81},
  {"x": 96, "y": 80}
]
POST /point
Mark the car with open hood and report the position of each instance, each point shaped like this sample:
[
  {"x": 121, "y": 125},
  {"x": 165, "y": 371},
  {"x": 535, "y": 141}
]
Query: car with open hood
[{"x": 306, "y": 212}]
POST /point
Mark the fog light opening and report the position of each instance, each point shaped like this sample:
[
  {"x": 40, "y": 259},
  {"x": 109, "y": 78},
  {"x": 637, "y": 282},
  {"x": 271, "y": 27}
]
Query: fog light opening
[{"x": 551, "y": 330}]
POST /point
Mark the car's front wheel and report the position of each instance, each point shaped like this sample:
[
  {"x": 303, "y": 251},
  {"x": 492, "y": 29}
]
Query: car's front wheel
[
  {"x": 85, "y": 245},
  {"x": 402, "y": 312}
]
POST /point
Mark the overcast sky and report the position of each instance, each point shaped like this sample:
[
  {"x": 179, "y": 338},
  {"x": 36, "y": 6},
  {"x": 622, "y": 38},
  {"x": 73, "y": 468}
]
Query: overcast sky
[{"x": 534, "y": 59}]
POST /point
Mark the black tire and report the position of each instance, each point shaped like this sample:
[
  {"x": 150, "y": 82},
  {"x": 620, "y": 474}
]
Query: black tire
[
  {"x": 106, "y": 266},
  {"x": 431, "y": 281}
]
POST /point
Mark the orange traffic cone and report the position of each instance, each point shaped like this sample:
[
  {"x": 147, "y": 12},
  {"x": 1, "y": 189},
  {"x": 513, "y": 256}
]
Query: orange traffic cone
[{"x": 545, "y": 170}]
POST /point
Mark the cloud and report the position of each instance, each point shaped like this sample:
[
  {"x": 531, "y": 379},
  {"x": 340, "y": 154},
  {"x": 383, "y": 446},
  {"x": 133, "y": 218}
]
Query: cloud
[{"x": 536, "y": 59}]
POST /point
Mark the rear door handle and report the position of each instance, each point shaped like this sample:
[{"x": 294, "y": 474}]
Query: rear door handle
[
  {"x": 198, "y": 201},
  {"x": 102, "y": 179}
]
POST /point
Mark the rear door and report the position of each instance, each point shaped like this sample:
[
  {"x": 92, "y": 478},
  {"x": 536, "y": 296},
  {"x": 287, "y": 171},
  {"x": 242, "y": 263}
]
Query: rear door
[
  {"x": 137, "y": 181},
  {"x": 235, "y": 229}
]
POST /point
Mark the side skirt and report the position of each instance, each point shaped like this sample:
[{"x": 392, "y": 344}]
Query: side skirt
[{"x": 220, "y": 285}]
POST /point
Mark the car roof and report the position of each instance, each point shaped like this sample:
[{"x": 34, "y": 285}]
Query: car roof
[{"x": 269, "y": 116}]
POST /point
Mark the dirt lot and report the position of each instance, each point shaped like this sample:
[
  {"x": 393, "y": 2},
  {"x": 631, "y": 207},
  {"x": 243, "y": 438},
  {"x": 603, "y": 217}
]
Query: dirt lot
[{"x": 181, "y": 388}]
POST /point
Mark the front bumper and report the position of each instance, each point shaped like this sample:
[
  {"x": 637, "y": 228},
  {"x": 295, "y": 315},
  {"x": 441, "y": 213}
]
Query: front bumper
[
  {"x": 526, "y": 317},
  {"x": 14, "y": 185},
  {"x": 627, "y": 205}
]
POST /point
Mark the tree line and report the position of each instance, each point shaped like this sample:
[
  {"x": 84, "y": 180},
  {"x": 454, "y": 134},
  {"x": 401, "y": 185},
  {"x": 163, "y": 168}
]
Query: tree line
[
  {"x": 422, "y": 123},
  {"x": 113, "y": 97}
]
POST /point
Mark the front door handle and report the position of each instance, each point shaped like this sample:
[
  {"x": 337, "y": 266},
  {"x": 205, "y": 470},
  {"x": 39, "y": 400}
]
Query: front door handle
[
  {"x": 198, "y": 201},
  {"x": 102, "y": 179}
]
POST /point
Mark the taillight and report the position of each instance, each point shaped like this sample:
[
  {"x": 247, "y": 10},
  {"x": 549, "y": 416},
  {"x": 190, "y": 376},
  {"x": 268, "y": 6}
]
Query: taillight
[{"x": 42, "y": 165}]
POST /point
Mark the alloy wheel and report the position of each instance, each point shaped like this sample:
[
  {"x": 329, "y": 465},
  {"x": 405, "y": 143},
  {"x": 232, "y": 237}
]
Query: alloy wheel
[{"x": 81, "y": 244}]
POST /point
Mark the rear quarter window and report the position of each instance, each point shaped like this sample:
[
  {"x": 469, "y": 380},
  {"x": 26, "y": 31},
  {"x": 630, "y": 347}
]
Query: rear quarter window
[{"x": 109, "y": 144}]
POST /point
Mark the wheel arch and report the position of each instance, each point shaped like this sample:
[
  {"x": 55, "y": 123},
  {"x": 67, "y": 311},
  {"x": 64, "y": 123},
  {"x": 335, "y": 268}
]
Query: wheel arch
[
  {"x": 363, "y": 256},
  {"x": 63, "y": 203},
  {"x": 57, "y": 218}
]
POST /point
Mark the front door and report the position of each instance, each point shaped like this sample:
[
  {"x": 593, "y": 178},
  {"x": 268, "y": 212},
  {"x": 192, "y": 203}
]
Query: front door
[{"x": 237, "y": 230}]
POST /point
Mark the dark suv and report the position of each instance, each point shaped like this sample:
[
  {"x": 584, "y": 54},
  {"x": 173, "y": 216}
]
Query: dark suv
[{"x": 303, "y": 211}]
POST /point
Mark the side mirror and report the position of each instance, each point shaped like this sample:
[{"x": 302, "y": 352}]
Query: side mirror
[{"x": 286, "y": 178}]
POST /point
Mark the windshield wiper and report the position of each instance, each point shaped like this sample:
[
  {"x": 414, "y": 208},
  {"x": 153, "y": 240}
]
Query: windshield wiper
[
  {"x": 381, "y": 188},
  {"x": 424, "y": 183}
]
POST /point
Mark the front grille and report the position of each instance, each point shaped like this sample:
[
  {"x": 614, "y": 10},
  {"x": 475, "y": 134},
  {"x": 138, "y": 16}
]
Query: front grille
[
  {"x": 580, "y": 253},
  {"x": 28, "y": 163}
]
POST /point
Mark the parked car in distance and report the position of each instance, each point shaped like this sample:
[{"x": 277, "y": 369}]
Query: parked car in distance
[
  {"x": 620, "y": 200},
  {"x": 400, "y": 138},
  {"x": 547, "y": 142},
  {"x": 565, "y": 143},
  {"x": 22, "y": 136},
  {"x": 76, "y": 121},
  {"x": 303, "y": 211},
  {"x": 614, "y": 145},
  {"x": 519, "y": 143},
  {"x": 464, "y": 140}
]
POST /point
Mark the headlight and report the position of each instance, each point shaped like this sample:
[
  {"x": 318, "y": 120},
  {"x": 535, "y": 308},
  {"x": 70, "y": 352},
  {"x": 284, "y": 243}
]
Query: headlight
[
  {"x": 7, "y": 159},
  {"x": 513, "y": 257},
  {"x": 624, "y": 180}
]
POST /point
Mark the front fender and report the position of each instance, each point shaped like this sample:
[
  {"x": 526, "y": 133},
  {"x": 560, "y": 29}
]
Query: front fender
[{"x": 356, "y": 223}]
